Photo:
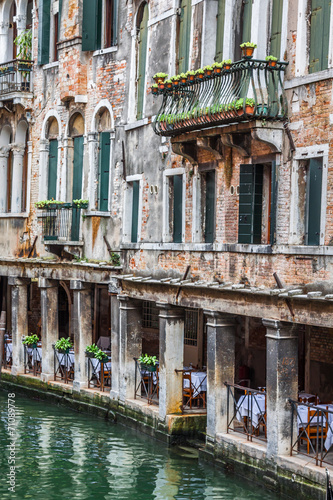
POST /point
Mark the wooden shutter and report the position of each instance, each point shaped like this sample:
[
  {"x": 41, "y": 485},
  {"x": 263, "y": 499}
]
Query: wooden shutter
[
  {"x": 314, "y": 200},
  {"x": 319, "y": 35},
  {"x": 91, "y": 25},
  {"x": 111, "y": 17},
  {"x": 250, "y": 203},
  {"x": 220, "y": 30},
  {"x": 44, "y": 15},
  {"x": 59, "y": 18},
  {"x": 142, "y": 50},
  {"x": 104, "y": 171},
  {"x": 52, "y": 170},
  {"x": 272, "y": 232},
  {"x": 114, "y": 34},
  {"x": 246, "y": 20},
  {"x": 275, "y": 48},
  {"x": 135, "y": 211},
  {"x": 210, "y": 207},
  {"x": 77, "y": 185},
  {"x": 177, "y": 208},
  {"x": 184, "y": 36}
]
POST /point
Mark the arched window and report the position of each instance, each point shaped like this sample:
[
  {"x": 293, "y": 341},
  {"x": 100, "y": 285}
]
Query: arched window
[
  {"x": 5, "y": 168},
  {"x": 104, "y": 129},
  {"x": 76, "y": 132},
  {"x": 142, "y": 27},
  {"x": 184, "y": 35},
  {"x": 52, "y": 167}
]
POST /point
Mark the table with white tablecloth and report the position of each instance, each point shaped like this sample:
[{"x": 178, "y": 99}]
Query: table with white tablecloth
[
  {"x": 97, "y": 366},
  {"x": 252, "y": 406},
  {"x": 317, "y": 419},
  {"x": 198, "y": 382},
  {"x": 9, "y": 351},
  {"x": 35, "y": 353}
]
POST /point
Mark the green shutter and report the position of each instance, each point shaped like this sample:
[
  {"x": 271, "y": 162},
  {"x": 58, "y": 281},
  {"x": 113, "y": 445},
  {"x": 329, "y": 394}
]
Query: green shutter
[
  {"x": 319, "y": 35},
  {"x": 77, "y": 185},
  {"x": 314, "y": 200},
  {"x": 247, "y": 18},
  {"x": 114, "y": 22},
  {"x": 44, "y": 14},
  {"x": 52, "y": 170},
  {"x": 59, "y": 18},
  {"x": 250, "y": 203},
  {"x": 135, "y": 211},
  {"x": 184, "y": 36},
  {"x": 91, "y": 25},
  {"x": 275, "y": 48},
  {"x": 103, "y": 171},
  {"x": 220, "y": 30},
  {"x": 272, "y": 235},
  {"x": 210, "y": 207},
  {"x": 177, "y": 208},
  {"x": 143, "y": 34}
]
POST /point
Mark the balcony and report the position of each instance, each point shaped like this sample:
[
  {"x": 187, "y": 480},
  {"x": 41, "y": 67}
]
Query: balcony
[
  {"x": 249, "y": 89},
  {"x": 15, "y": 78}
]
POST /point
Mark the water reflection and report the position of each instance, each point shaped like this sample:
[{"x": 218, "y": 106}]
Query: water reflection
[{"x": 61, "y": 454}]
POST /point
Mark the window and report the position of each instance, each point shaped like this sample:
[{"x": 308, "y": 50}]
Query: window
[
  {"x": 135, "y": 211},
  {"x": 220, "y": 30},
  {"x": 103, "y": 171},
  {"x": 174, "y": 206},
  {"x": 184, "y": 36},
  {"x": 150, "y": 315},
  {"x": 142, "y": 25},
  {"x": 319, "y": 35},
  {"x": 208, "y": 205},
  {"x": 52, "y": 170},
  {"x": 49, "y": 19},
  {"x": 243, "y": 31},
  {"x": 133, "y": 208},
  {"x": 95, "y": 35},
  {"x": 257, "y": 201},
  {"x": 275, "y": 48}
]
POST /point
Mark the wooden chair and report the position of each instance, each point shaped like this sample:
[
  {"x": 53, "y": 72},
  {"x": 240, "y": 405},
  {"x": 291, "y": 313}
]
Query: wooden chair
[
  {"x": 188, "y": 392},
  {"x": 310, "y": 431},
  {"x": 106, "y": 376}
]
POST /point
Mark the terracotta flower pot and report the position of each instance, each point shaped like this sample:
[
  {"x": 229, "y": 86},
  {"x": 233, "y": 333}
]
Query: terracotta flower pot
[
  {"x": 161, "y": 86},
  {"x": 217, "y": 70},
  {"x": 226, "y": 66},
  {"x": 247, "y": 51},
  {"x": 272, "y": 64},
  {"x": 191, "y": 78},
  {"x": 248, "y": 110},
  {"x": 208, "y": 72}
]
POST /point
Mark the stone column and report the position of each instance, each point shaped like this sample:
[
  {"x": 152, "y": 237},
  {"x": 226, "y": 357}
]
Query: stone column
[
  {"x": 82, "y": 329},
  {"x": 130, "y": 346},
  {"x": 281, "y": 384},
  {"x": 115, "y": 345},
  {"x": 221, "y": 335},
  {"x": 18, "y": 154},
  {"x": 4, "y": 154},
  {"x": 19, "y": 320},
  {"x": 171, "y": 359},
  {"x": 50, "y": 331}
]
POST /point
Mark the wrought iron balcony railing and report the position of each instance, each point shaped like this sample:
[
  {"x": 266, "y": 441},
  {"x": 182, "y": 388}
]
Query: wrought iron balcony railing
[
  {"x": 61, "y": 223},
  {"x": 223, "y": 98},
  {"x": 15, "y": 76}
]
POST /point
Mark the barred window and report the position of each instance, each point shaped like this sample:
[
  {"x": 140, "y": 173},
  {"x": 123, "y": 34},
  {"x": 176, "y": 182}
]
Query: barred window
[
  {"x": 150, "y": 315},
  {"x": 191, "y": 327}
]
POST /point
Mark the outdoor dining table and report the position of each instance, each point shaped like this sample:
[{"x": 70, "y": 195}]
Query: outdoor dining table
[
  {"x": 9, "y": 351},
  {"x": 198, "y": 381},
  {"x": 302, "y": 420},
  {"x": 35, "y": 353},
  {"x": 252, "y": 406},
  {"x": 97, "y": 365}
]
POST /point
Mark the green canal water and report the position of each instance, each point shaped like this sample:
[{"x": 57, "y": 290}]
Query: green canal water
[{"x": 60, "y": 454}]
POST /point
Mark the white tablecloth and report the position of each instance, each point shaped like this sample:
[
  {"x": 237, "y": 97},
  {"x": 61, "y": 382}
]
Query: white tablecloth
[
  {"x": 257, "y": 401},
  {"x": 198, "y": 382},
  {"x": 97, "y": 365},
  {"x": 35, "y": 353},
  {"x": 302, "y": 421},
  {"x": 9, "y": 350}
]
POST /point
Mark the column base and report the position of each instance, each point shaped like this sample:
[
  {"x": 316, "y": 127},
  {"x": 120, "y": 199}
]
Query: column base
[
  {"x": 77, "y": 386},
  {"x": 114, "y": 395},
  {"x": 17, "y": 370},
  {"x": 46, "y": 377}
]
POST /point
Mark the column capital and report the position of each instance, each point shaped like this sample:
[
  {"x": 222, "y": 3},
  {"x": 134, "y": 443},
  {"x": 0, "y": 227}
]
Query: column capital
[
  {"x": 169, "y": 311},
  {"x": 278, "y": 329},
  {"x": 114, "y": 286},
  {"x": 44, "y": 145},
  {"x": 18, "y": 149},
  {"x": 17, "y": 281},
  {"x": 92, "y": 137},
  {"x": 80, "y": 285},
  {"x": 219, "y": 319},
  {"x": 4, "y": 151},
  {"x": 127, "y": 302},
  {"x": 47, "y": 283}
]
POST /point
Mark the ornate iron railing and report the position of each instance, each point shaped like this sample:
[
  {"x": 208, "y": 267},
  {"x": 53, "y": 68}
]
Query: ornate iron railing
[
  {"x": 61, "y": 222},
  {"x": 63, "y": 366},
  {"x": 32, "y": 359},
  {"x": 315, "y": 431},
  {"x": 15, "y": 76},
  {"x": 221, "y": 98},
  {"x": 7, "y": 354},
  {"x": 248, "y": 414},
  {"x": 146, "y": 384},
  {"x": 99, "y": 373},
  {"x": 194, "y": 384}
]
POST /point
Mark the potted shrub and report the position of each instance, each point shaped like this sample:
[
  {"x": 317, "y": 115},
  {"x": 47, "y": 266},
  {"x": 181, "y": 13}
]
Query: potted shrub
[
  {"x": 217, "y": 67},
  {"x": 31, "y": 341},
  {"x": 227, "y": 64},
  {"x": 175, "y": 80},
  {"x": 183, "y": 78},
  {"x": 63, "y": 345},
  {"x": 199, "y": 73},
  {"x": 91, "y": 350},
  {"x": 148, "y": 363},
  {"x": 80, "y": 203},
  {"x": 246, "y": 105},
  {"x": 208, "y": 70},
  {"x": 154, "y": 88},
  {"x": 160, "y": 77},
  {"x": 101, "y": 356},
  {"x": 190, "y": 75},
  {"x": 49, "y": 204},
  {"x": 271, "y": 61},
  {"x": 168, "y": 83},
  {"x": 248, "y": 49}
]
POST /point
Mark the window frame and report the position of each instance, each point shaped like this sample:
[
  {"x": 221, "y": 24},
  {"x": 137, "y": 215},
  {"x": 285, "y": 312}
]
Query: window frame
[
  {"x": 128, "y": 207},
  {"x": 167, "y": 223}
]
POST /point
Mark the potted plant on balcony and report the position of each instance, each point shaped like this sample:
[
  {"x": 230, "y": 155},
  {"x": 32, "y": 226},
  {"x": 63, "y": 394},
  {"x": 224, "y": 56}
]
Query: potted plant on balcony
[
  {"x": 49, "y": 204},
  {"x": 199, "y": 73},
  {"x": 271, "y": 61},
  {"x": 190, "y": 75},
  {"x": 217, "y": 67},
  {"x": 168, "y": 83},
  {"x": 247, "y": 49},
  {"x": 175, "y": 80},
  {"x": 227, "y": 64},
  {"x": 148, "y": 363},
  {"x": 91, "y": 350},
  {"x": 208, "y": 70},
  {"x": 23, "y": 43},
  {"x": 31, "y": 341},
  {"x": 245, "y": 105},
  {"x": 101, "y": 356},
  {"x": 154, "y": 88},
  {"x": 80, "y": 203},
  {"x": 160, "y": 77},
  {"x": 63, "y": 345}
]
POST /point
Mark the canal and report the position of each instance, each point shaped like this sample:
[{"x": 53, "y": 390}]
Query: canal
[{"x": 56, "y": 453}]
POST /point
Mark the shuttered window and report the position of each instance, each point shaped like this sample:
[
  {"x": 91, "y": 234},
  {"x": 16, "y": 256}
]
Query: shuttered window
[
  {"x": 177, "y": 208},
  {"x": 110, "y": 23},
  {"x": 135, "y": 211},
  {"x": 275, "y": 47},
  {"x": 103, "y": 171},
  {"x": 250, "y": 204},
  {"x": 246, "y": 21},
  {"x": 77, "y": 185},
  {"x": 314, "y": 188},
  {"x": 220, "y": 30},
  {"x": 272, "y": 222},
  {"x": 319, "y": 35},
  {"x": 44, "y": 15},
  {"x": 142, "y": 56},
  {"x": 52, "y": 170},
  {"x": 210, "y": 207},
  {"x": 184, "y": 36},
  {"x": 91, "y": 25}
]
